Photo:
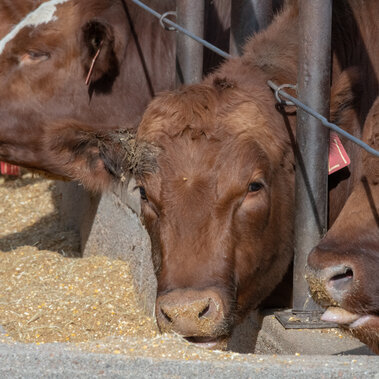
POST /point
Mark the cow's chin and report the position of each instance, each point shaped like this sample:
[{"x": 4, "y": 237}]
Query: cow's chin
[
  {"x": 211, "y": 343},
  {"x": 345, "y": 318},
  {"x": 365, "y": 327}
]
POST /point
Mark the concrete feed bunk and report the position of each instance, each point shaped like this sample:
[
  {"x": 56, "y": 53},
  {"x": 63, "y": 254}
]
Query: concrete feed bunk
[{"x": 91, "y": 305}]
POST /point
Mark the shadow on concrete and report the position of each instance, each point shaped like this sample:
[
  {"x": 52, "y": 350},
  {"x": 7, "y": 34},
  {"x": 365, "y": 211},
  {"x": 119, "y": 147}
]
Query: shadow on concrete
[
  {"x": 363, "y": 350},
  {"x": 47, "y": 233}
]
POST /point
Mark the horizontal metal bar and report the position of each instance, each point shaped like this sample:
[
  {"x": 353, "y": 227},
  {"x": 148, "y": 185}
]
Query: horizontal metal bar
[
  {"x": 323, "y": 120},
  {"x": 181, "y": 29},
  {"x": 298, "y": 103}
]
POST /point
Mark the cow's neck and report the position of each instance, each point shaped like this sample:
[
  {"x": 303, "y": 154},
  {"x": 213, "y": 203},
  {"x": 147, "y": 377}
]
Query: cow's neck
[{"x": 275, "y": 51}]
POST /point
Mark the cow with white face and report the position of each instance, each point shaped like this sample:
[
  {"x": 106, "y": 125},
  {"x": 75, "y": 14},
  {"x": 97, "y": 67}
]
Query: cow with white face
[{"x": 70, "y": 70}]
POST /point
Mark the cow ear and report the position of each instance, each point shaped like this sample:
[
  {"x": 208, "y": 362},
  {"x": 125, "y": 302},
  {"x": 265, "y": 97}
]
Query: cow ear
[
  {"x": 98, "y": 56},
  {"x": 345, "y": 94},
  {"x": 95, "y": 159}
]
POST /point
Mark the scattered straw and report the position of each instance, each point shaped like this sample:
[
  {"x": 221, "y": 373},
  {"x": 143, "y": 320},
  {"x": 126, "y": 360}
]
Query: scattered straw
[{"x": 47, "y": 297}]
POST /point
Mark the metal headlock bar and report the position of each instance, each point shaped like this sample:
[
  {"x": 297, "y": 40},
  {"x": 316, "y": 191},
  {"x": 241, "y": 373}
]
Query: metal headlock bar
[
  {"x": 311, "y": 183},
  {"x": 278, "y": 89}
]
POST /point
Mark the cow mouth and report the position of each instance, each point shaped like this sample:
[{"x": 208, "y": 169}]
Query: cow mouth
[
  {"x": 213, "y": 343},
  {"x": 345, "y": 318}
]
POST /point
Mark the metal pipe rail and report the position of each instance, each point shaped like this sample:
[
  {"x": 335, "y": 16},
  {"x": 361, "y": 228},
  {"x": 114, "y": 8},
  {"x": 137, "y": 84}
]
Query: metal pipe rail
[
  {"x": 312, "y": 142},
  {"x": 279, "y": 90},
  {"x": 247, "y": 18},
  {"x": 181, "y": 29},
  {"x": 189, "y": 54}
]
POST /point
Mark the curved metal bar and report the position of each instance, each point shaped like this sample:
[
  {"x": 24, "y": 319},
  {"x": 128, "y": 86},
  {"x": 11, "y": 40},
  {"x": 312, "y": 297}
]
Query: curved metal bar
[
  {"x": 162, "y": 21},
  {"x": 277, "y": 94}
]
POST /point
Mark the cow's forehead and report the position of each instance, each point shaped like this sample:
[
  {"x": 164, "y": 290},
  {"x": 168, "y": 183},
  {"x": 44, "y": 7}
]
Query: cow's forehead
[
  {"x": 44, "y": 14},
  {"x": 224, "y": 166}
]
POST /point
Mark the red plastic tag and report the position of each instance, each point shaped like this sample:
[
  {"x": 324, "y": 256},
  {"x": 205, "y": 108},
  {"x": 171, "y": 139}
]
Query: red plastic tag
[
  {"x": 9, "y": 169},
  {"x": 338, "y": 157}
]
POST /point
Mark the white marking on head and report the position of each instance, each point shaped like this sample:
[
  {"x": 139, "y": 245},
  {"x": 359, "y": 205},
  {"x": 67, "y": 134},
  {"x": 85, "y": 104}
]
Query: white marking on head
[{"x": 41, "y": 15}]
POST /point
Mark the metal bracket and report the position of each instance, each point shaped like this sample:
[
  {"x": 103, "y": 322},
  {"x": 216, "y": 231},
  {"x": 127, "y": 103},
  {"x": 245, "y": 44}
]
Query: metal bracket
[
  {"x": 162, "y": 21},
  {"x": 291, "y": 319},
  {"x": 277, "y": 94}
]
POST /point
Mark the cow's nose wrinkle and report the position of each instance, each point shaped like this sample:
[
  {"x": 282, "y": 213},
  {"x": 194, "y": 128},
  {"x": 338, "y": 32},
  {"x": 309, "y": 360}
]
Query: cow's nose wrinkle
[
  {"x": 204, "y": 311},
  {"x": 342, "y": 280},
  {"x": 166, "y": 316}
]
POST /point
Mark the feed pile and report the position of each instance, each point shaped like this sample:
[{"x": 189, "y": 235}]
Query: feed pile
[{"x": 47, "y": 295}]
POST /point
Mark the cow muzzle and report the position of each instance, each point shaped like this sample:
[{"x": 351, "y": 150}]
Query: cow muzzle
[
  {"x": 197, "y": 315},
  {"x": 330, "y": 283},
  {"x": 338, "y": 281}
]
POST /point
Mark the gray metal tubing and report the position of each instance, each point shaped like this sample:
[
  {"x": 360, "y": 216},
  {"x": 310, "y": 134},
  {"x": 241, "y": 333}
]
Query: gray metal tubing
[
  {"x": 299, "y": 104},
  {"x": 247, "y": 18},
  {"x": 312, "y": 141},
  {"x": 189, "y": 53},
  {"x": 182, "y": 30}
]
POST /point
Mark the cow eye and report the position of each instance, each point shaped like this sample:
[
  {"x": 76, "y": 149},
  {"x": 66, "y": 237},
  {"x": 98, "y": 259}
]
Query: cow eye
[
  {"x": 255, "y": 186},
  {"x": 37, "y": 54},
  {"x": 34, "y": 56},
  {"x": 142, "y": 193}
]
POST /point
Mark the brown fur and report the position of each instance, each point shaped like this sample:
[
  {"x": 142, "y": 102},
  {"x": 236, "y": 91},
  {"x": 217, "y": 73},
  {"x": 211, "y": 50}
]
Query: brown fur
[
  {"x": 353, "y": 241},
  {"x": 217, "y": 137},
  {"x": 41, "y": 94},
  {"x": 49, "y": 117}
]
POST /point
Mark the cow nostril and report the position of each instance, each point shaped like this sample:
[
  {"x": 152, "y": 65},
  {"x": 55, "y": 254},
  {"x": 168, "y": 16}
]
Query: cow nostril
[
  {"x": 166, "y": 316},
  {"x": 342, "y": 280},
  {"x": 348, "y": 274},
  {"x": 204, "y": 311}
]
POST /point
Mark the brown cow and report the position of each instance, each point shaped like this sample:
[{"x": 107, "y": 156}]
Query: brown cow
[
  {"x": 48, "y": 115},
  {"x": 219, "y": 206},
  {"x": 343, "y": 268}
]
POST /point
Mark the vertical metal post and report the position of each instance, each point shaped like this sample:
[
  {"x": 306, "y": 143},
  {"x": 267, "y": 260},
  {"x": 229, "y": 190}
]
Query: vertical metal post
[
  {"x": 313, "y": 87},
  {"x": 189, "y": 53},
  {"x": 247, "y": 17},
  {"x": 312, "y": 140}
]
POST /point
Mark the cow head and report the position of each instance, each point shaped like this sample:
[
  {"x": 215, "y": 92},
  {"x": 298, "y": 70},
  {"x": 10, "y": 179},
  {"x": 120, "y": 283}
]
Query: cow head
[
  {"x": 343, "y": 268},
  {"x": 70, "y": 69},
  {"x": 218, "y": 207},
  {"x": 44, "y": 61}
]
